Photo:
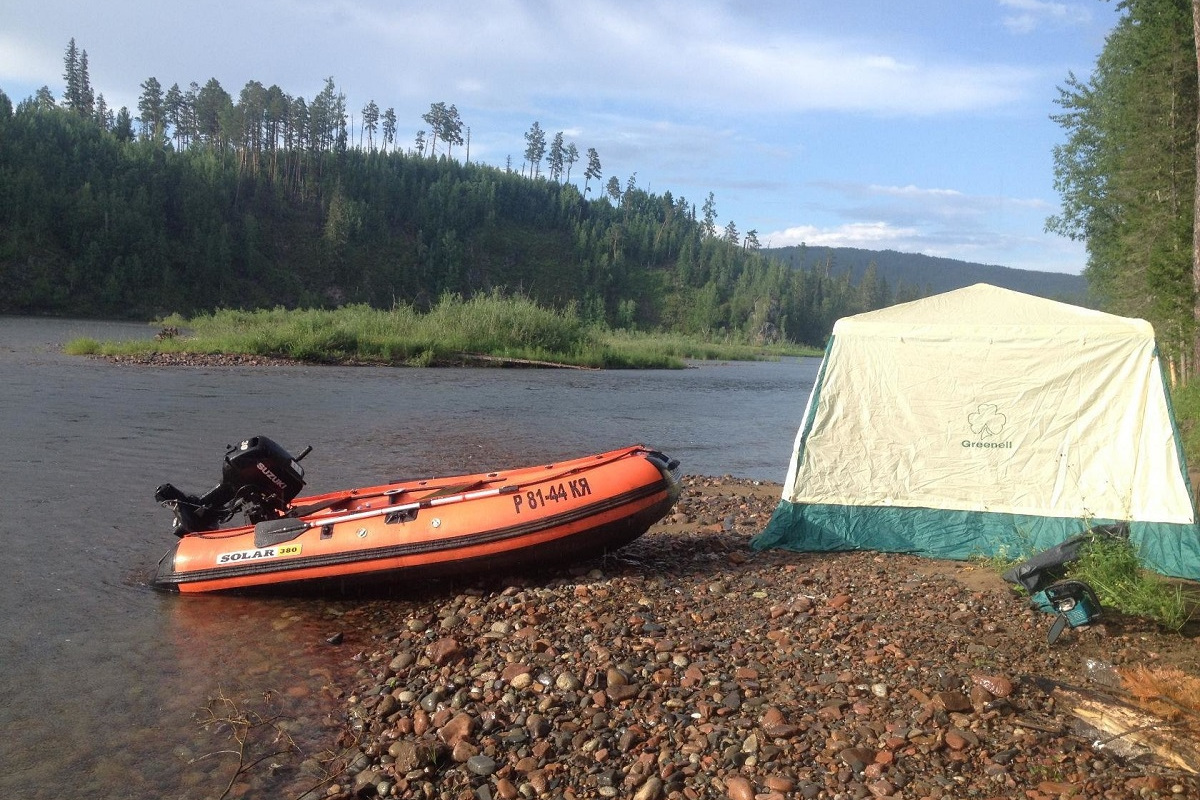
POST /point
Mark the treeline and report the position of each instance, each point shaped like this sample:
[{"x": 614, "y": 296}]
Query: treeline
[
  {"x": 935, "y": 274},
  {"x": 99, "y": 220},
  {"x": 1127, "y": 173}
]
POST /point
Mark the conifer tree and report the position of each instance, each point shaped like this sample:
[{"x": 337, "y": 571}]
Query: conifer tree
[
  {"x": 593, "y": 168},
  {"x": 1127, "y": 171},
  {"x": 572, "y": 155},
  {"x": 73, "y": 95},
  {"x": 535, "y": 149},
  {"x": 389, "y": 128},
  {"x": 152, "y": 110},
  {"x": 557, "y": 157}
]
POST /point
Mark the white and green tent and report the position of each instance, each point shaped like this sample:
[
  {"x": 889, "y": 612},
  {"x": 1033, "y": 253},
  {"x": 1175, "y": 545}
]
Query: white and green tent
[{"x": 984, "y": 421}]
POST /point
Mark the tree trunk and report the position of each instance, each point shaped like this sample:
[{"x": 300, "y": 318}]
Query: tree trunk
[{"x": 1196, "y": 212}]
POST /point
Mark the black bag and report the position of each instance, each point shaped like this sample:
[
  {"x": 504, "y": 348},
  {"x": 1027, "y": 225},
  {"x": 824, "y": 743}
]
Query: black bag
[
  {"x": 1073, "y": 602},
  {"x": 1050, "y": 565}
]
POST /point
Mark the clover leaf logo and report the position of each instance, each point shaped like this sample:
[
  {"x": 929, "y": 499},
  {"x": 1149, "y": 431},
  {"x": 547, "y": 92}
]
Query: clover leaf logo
[{"x": 987, "y": 421}]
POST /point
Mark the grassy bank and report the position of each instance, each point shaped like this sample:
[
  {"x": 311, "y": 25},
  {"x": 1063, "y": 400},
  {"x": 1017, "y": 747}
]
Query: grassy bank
[
  {"x": 1186, "y": 402},
  {"x": 508, "y": 330}
]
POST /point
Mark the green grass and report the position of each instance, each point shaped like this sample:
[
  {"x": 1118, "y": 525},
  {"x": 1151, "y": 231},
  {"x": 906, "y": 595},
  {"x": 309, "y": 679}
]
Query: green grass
[
  {"x": 1186, "y": 403},
  {"x": 511, "y": 329},
  {"x": 1112, "y": 568}
]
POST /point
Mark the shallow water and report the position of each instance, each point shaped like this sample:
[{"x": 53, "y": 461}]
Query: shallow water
[{"x": 103, "y": 677}]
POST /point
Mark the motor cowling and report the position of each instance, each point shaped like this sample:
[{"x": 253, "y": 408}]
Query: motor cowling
[
  {"x": 260, "y": 464},
  {"x": 258, "y": 477}
]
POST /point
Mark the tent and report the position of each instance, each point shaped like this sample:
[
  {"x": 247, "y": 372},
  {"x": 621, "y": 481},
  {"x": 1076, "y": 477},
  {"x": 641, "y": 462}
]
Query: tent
[{"x": 985, "y": 422}]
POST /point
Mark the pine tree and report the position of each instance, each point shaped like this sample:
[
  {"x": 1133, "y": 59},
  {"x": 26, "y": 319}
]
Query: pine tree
[
  {"x": 709, "y": 226},
  {"x": 1127, "y": 172},
  {"x": 152, "y": 110},
  {"x": 593, "y": 168},
  {"x": 73, "y": 95},
  {"x": 557, "y": 157},
  {"x": 571, "y": 156},
  {"x": 535, "y": 149},
  {"x": 370, "y": 117}
]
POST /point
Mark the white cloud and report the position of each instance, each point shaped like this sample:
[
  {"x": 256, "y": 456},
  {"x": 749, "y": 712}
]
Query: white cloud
[
  {"x": 1042, "y": 251},
  {"x": 868, "y": 235},
  {"x": 678, "y": 54},
  {"x": 941, "y": 222},
  {"x": 26, "y": 63},
  {"x": 1031, "y": 14}
]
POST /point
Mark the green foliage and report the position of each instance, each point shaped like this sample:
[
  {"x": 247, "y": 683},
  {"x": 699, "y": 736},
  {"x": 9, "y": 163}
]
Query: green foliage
[
  {"x": 218, "y": 212},
  {"x": 1127, "y": 171},
  {"x": 82, "y": 347},
  {"x": 1186, "y": 404},
  {"x": 1112, "y": 568},
  {"x": 505, "y": 329}
]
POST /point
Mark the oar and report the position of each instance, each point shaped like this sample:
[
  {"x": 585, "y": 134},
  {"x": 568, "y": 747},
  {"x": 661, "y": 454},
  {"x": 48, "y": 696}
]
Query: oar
[
  {"x": 277, "y": 531},
  {"x": 303, "y": 511}
]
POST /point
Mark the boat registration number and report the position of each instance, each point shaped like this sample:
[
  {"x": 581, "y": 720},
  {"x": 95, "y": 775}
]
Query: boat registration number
[
  {"x": 563, "y": 492},
  {"x": 260, "y": 553}
]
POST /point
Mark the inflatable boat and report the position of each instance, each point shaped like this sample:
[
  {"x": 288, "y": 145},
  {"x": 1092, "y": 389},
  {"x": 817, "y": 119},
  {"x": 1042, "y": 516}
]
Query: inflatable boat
[{"x": 530, "y": 517}]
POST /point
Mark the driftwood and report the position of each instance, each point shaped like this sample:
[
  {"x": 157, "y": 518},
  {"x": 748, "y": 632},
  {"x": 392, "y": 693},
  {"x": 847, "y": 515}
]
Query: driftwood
[
  {"x": 1129, "y": 730},
  {"x": 521, "y": 362}
]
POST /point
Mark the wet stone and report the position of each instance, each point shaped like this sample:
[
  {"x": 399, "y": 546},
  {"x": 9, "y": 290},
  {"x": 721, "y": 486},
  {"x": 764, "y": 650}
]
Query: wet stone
[
  {"x": 481, "y": 765},
  {"x": 561, "y": 684}
]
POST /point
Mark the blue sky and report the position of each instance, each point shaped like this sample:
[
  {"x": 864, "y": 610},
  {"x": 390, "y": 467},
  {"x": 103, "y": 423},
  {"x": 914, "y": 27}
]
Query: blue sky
[{"x": 916, "y": 126}]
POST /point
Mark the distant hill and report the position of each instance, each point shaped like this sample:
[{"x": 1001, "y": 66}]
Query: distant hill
[{"x": 928, "y": 275}]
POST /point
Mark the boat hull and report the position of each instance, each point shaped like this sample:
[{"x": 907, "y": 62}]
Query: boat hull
[{"x": 529, "y": 518}]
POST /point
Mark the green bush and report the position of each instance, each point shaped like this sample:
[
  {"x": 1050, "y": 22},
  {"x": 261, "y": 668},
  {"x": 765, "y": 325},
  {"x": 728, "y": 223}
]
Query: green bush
[{"x": 1112, "y": 568}]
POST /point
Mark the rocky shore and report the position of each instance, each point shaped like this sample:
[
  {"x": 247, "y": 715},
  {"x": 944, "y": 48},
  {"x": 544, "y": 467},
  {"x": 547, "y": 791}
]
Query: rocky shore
[{"x": 689, "y": 666}]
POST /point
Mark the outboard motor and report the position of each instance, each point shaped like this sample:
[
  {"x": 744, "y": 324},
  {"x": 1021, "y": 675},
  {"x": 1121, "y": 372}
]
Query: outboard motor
[{"x": 258, "y": 477}]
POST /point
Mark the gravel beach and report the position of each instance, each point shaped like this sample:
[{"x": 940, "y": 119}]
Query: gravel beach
[{"x": 689, "y": 666}]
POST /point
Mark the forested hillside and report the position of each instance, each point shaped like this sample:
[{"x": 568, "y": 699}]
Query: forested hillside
[
  {"x": 1126, "y": 173},
  {"x": 929, "y": 274},
  {"x": 94, "y": 224},
  {"x": 207, "y": 202}
]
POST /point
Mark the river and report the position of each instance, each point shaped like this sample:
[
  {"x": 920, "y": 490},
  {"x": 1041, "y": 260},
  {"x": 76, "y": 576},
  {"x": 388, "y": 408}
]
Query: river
[{"x": 105, "y": 681}]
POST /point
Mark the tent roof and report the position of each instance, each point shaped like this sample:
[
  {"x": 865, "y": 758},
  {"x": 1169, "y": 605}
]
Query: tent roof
[{"x": 988, "y": 311}]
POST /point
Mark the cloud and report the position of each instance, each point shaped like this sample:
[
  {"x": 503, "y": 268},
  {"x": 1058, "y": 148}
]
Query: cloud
[
  {"x": 1028, "y": 15},
  {"x": 1043, "y": 252},
  {"x": 666, "y": 57},
  {"x": 946, "y": 223},
  {"x": 683, "y": 55},
  {"x": 867, "y": 235},
  {"x": 25, "y": 63}
]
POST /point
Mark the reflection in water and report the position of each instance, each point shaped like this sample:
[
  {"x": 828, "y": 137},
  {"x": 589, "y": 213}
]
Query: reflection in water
[{"x": 103, "y": 678}]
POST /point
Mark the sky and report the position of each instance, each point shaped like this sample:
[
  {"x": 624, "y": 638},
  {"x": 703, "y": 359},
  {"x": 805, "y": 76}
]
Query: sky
[{"x": 920, "y": 126}]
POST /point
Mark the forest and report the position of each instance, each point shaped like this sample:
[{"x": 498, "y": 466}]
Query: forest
[
  {"x": 1126, "y": 173},
  {"x": 203, "y": 201}
]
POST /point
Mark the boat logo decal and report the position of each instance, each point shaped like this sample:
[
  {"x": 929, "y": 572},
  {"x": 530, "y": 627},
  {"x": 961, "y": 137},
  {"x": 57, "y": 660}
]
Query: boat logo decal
[
  {"x": 259, "y": 553},
  {"x": 275, "y": 479},
  {"x": 569, "y": 490}
]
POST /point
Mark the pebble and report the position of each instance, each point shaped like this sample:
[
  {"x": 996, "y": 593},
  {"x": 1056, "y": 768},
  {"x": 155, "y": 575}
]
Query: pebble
[
  {"x": 650, "y": 790},
  {"x": 738, "y": 788},
  {"x": 481, "y": 765},
  {"x": 688, "y": 666}
]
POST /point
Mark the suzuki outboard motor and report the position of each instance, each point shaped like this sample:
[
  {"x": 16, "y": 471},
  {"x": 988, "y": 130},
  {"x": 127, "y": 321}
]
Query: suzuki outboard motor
[{"x": 258, "y": 477}]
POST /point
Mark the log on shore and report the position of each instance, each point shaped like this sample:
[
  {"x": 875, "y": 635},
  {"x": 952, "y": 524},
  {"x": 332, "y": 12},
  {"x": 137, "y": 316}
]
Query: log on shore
[
  {"x": 522, "y": 362},
  {"x": 1128, "y": 729}
]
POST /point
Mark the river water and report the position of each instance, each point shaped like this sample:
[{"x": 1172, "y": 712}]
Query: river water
[{"x": 104, "y": 681}]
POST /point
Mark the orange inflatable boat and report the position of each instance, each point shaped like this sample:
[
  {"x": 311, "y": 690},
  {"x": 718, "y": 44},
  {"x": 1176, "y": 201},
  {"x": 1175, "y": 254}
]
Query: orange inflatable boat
[{"x": 533, "y": 516}]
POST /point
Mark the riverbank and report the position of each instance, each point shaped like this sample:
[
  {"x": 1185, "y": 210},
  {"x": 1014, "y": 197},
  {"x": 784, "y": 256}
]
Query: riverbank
[
  {"x": 688, "y": 666},
  {"x": 489, "y": 329}
]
